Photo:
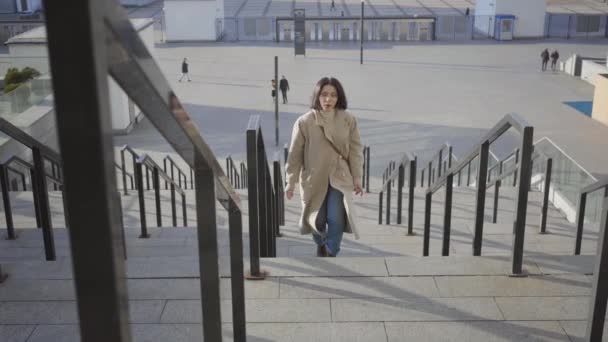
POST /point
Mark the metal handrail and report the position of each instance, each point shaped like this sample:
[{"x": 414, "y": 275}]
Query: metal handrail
[
  {"x": 408, "y": 161},
  {"x": 40, "y": 152},
  {"x": 127, "y": 174},
  {"x": 145, "y": 159},
  {"x": 27, "y": 140},
  {"x": 482, "y": 150},
  {"x": 430, "y": 170},
  {"x": 263, "y": 193},
  {"x": 133, "y": 67},
  {"x": 233, "y": 174},
  {"x": 157, "y": 174},
  {"x": 180, "y": 173}
]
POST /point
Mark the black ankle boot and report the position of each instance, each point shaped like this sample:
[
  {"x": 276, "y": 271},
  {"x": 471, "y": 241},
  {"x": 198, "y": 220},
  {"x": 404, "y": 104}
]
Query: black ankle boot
[{"x": 321, "y": 251}]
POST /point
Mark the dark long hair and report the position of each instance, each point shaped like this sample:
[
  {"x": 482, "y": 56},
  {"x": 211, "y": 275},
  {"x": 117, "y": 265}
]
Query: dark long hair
[{"x": 341, "y": 104}]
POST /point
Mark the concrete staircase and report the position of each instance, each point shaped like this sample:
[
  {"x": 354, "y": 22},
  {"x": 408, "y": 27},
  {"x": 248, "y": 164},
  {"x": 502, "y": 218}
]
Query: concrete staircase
[{"x": 378, "y": 289}]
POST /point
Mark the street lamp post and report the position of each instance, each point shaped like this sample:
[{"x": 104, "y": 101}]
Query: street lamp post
[{"x": 361, "y": 34}]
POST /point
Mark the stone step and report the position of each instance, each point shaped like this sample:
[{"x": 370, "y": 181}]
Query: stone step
[{"x": 362, "y": 299}]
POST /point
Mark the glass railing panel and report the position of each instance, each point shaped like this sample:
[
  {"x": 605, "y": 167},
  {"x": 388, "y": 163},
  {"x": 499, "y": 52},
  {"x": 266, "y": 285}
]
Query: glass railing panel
[{"x": 568, "y": 178}]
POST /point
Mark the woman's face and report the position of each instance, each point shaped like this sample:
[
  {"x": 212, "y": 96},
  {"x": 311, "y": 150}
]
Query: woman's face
[{"x": 328, "y": 97}]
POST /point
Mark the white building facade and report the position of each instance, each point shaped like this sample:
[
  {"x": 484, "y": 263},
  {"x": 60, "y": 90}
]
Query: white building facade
[{"x": 194, "y": 20}]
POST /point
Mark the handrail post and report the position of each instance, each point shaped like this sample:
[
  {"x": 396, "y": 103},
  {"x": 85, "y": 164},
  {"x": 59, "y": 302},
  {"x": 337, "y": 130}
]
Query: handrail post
[
  {"x": 254, "y": 217},
  {"x": 236, "y": 271},
  {"x": 410, "y": 207},
  {"x": 139, "y": 180},
  {"x": 439, "y": 164},
  {"x": 380, "y": 196},
  {"x": 165, "y": 170},
  {"x": 367, "y": 169},
  {"x": 469, "y": 173},
  {"x": 516, "y": 171},
  {"x": 519, "y": 225},
  {"x": 134, "y": 159},
  {"x": 124, "y": 172},
  {"x": 400, "y": 184},
  {"x": 547, "y": 187},
  {"x": 270, "y": 213},
  {"x": 173, "y": 207},
  {"x": 184, "y": 214},
  {"x": 208, "y": 250},
  {"x": 35, "y": 197},
  {"x": 262, "y": 195},
  {"x": 427, "y": 223},
  {"x": 480, "y": 202},
  {"x": 43, "y": 202},
  {"x": 6, "y": 199},
  {"x": 429, "y": 173},
  {"x": 447, "y": 218},
  {"x": 422, "y": 178},
  {"x": 156, "y": 185},
  {"x": 148, "y": 178},
  {"x": 276, "y": 168},
  {"x": 580, "y": 221},
  {"x": 496, "y": 197},
  {"x": 599, "y": 293},
  {"x": 450, "y": 149},
  {"x": 388, "y": 202}
]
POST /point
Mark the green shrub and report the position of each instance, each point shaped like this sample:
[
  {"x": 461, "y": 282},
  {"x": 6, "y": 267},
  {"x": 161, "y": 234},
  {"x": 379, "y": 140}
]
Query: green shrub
[{"x": 14, "y": 78}]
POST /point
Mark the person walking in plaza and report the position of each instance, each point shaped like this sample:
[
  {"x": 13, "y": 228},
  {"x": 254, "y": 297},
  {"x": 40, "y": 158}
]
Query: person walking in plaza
[
  {"x": 545, "y": 59},
  {"x": 325, "y": 158},
  {"x": 184, "y": 70},
  {"x": 273, "y": 93},
  {"x": 554, "y": 58},
  {"x": 284, "y": 86},
  {"x": 333, "y": 6}
]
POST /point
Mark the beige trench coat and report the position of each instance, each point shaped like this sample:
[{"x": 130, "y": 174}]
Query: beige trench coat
[{"x": 314, "y": 163}]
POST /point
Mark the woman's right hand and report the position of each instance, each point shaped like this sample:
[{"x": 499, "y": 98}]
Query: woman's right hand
[{"x": 289, "y": 194}]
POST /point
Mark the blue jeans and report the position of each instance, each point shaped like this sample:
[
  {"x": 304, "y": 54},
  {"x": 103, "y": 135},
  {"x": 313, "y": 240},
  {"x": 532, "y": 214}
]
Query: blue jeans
[{"x": 331, "y": 221}]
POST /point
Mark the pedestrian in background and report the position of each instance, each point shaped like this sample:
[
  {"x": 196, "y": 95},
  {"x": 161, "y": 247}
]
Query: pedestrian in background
[
  {"x": 284, "y": 86},
  {"x": 554, "y": 58},
  {"x": 545, "y": 59},
  {"x": 184, "y": 70}
]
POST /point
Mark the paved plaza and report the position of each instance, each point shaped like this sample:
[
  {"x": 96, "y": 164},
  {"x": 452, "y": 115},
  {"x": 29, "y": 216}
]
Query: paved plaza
[{"x": 410, "y": 97}]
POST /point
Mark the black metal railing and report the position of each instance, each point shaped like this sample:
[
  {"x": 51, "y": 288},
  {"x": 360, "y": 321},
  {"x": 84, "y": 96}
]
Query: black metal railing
[
  {"x": 437, "y": 165},
  {"x": 103, "y": 41},
  {"x": 599, "y": 292},
  {"x": 157, "y": 174},
  {"x": 481, "y": 151},
  {"x": 238, "y": 178},
  {"x": 601, "y": 184},
  {"x": 40, "y": 153},
  {"x": 125, "y": 174},
  {"x": 134, "y": 156},
  {"x": 180, "y": 174},
  {"x": 265, "y": 199},
  {"x": 408, "y": 162}
]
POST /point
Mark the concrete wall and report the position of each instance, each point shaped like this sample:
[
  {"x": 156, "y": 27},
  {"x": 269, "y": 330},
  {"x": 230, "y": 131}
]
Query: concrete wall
[
  {"x": 591, "y": 70},
  {"x": 193, "y": 20},
  {"x": 600, "y": 99},
  {"x": 530, "y": 16}
]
